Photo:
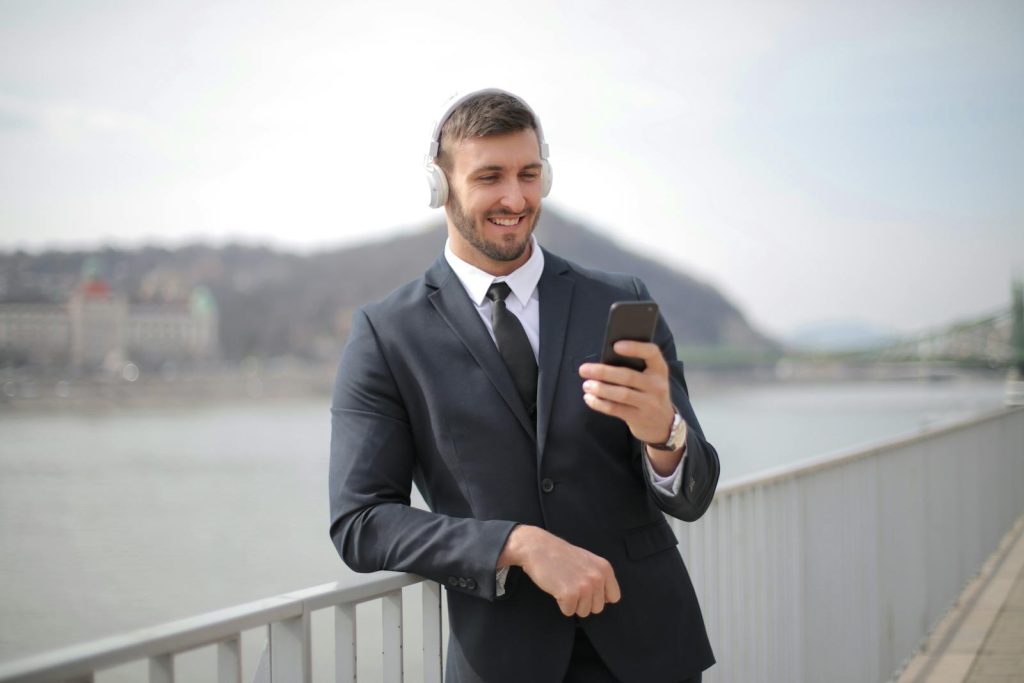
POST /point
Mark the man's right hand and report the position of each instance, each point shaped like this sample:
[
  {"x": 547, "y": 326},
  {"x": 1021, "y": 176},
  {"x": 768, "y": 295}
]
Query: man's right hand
[{"x": 579, "y": 580}]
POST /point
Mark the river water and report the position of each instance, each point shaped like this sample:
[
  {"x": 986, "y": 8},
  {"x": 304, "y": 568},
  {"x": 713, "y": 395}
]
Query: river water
[{"x": 118, "y": 519}]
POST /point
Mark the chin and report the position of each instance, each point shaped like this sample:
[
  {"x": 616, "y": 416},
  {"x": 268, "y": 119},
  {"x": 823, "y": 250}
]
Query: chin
[{"x": 510, "y": 246}]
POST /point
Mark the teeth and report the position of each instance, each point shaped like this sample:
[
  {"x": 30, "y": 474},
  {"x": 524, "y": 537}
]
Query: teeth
[{"x": 505, "y": 221}]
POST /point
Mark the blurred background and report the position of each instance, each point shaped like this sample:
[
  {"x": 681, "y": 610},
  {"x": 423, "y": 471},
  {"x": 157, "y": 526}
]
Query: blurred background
[{"x": 824, "y": 197}]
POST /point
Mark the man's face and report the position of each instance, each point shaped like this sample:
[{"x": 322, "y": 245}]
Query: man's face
[{"x": 494, "y": 199}]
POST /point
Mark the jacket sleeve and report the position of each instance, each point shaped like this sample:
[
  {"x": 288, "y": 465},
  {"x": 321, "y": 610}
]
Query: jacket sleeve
[
  {"x": 373, "y": 459},
  {"x": 699, "y": 477}
]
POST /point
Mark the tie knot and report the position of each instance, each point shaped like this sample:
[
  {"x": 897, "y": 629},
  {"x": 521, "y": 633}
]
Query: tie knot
[{"x": 499, "y": 291}]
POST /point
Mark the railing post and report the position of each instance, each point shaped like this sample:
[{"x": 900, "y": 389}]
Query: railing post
[
  {"x": 290, "y": 653},
  {"x": 345, "y": 643},
  {"x": 229, "y": 661},
  {"x": 262, "y": 674},
  {"x": 161, "y": 669},
  {"x": 391, "y": 617},
  {"x": 431, "y": 632}
]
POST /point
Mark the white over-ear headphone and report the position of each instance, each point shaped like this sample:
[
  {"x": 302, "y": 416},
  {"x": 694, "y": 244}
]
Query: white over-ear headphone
[{"x": 435, "y": 174}]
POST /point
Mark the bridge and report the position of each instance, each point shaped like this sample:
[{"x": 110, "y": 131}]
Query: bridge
[
  {"x": 994, "y": 339},
  {"x": 985, "y": 341},
  {"x": 837, "y": 570}
]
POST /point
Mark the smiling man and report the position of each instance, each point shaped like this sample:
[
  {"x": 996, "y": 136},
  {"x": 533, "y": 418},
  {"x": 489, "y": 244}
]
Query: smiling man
[{"x": 546, "y": 472}]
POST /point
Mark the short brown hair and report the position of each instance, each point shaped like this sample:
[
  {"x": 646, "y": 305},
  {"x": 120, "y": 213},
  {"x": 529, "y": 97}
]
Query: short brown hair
[{"x": 480, "y": 116}]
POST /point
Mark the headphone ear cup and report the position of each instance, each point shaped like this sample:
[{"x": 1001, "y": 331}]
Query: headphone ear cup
[
  {"x": 546, "y": 176},
  {"x": 438, "y": 183}
]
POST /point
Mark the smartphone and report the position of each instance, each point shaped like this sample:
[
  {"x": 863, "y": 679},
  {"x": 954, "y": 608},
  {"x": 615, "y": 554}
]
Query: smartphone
[{"x": 633, "y": 320}]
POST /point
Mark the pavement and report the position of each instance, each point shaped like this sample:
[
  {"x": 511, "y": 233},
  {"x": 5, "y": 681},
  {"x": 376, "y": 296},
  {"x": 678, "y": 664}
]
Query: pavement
[{"x": 981, "y": 639}]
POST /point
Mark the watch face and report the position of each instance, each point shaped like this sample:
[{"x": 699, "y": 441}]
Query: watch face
[{"x": 675, "y": 439}]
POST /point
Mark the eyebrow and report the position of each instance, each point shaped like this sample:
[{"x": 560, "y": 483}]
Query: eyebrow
[{"x": 495, "y": 167}]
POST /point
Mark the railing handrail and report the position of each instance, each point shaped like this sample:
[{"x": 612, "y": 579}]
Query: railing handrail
[
  {"x": 189, "y": 633},
  {"x": 848, "y": 454}
]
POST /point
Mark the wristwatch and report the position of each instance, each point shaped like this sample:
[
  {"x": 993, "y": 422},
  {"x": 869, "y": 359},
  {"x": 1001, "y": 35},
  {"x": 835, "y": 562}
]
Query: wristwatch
[{"x": 676, "y": 435}]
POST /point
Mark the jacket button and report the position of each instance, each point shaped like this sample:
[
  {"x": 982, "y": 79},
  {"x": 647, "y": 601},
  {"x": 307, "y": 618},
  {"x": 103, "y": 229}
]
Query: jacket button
[
  {"x": 462, "y": 583},
  {"x": 471, "y": 584},
  {"x": 452, "y": 581},
  {"x": 546, "y": 485}
]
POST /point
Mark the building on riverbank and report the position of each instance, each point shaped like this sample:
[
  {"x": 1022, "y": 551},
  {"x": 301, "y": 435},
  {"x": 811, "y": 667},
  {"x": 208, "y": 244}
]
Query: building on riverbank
[{"x": 98, "y": 328}]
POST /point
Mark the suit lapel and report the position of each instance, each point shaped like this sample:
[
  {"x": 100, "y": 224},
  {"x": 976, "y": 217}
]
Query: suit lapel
[
  {"x": 453, "y": 304},
  {"x": 555, "y": 302}
]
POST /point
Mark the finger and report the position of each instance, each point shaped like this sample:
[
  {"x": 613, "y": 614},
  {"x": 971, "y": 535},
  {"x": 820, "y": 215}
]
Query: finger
[
  {"x": 584, "y": 606},
  {"x": 607, "y": 407},
  {"x": 612, "y": 593},
  {"x": 613, "y": 374},
  {"x": 597, "y": 602},
  {"x": 650, "y": 352},
  {"x": 567, "y": 606},
  {"x": 613, "y": 392}
]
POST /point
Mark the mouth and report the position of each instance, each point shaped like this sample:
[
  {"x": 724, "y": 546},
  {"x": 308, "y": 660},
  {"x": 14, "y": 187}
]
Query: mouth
[{"x": 506, "y": 221}]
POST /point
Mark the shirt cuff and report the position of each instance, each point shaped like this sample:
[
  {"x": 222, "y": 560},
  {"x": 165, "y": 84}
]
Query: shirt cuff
[
  {"x": 669, "y": 484},
  {"x": 499, "y": 580}
]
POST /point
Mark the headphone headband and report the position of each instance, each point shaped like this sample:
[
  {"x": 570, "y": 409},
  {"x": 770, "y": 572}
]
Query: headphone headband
[{"x": 435, "y": 138}]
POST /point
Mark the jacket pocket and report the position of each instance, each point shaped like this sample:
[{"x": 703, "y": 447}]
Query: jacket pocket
[{"x": 649, "y": 539}]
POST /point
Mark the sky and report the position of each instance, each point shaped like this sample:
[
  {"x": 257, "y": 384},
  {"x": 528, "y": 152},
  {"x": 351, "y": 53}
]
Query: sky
[{"x": 814, "y": 161}]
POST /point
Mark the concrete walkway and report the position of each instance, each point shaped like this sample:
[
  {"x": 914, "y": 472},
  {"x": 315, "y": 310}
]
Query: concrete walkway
[{"x": 981, "y": 640}]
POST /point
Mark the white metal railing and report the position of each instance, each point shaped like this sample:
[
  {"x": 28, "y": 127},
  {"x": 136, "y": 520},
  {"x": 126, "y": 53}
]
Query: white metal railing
[
  {"x": 834, "y": 569},
  {"x": 286, "y": 619}
]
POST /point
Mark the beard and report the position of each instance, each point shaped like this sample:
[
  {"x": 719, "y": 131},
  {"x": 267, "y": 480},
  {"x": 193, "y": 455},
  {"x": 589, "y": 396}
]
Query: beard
[{"x": 509, "y": 249}]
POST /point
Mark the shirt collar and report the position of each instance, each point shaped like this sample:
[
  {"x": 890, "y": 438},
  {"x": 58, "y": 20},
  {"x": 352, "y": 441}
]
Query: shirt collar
[{"x": 522, "y": 281}]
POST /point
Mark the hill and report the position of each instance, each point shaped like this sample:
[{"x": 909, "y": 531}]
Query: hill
[{"x": 274, "y": 303}]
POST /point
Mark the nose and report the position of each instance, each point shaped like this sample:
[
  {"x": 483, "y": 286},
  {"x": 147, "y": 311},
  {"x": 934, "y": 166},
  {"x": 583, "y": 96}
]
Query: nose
[{"x": 513, "y": 198}]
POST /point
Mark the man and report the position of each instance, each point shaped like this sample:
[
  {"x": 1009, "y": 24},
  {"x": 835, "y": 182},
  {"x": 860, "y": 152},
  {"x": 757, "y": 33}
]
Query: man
[{"x": 546, "y": 472}]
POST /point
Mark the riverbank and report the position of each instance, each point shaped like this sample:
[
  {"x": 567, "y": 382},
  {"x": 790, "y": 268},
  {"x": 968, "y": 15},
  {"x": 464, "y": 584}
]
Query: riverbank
[{"x": 256, "y": 382}]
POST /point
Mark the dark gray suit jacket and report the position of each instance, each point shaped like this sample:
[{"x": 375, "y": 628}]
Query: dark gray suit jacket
[{"x": 423, "y": 396}]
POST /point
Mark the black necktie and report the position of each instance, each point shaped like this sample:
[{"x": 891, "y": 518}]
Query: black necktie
[{"x": 514, "y": 345}]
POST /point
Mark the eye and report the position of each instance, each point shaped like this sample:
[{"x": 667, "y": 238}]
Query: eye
[
  {"x": 488, "y": 178},
  {"x": 532, "y": 175}
]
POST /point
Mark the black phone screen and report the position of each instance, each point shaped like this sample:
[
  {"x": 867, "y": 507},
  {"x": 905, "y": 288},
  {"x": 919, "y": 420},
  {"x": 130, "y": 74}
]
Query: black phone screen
[{"x": 633, "y": 320}]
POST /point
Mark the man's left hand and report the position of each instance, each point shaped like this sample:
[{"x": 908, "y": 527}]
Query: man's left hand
[{"x": 641, "y": 399}]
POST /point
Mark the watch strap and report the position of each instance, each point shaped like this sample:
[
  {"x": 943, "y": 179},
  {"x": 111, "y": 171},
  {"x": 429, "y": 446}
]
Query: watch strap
[{"x": 676, "y": 435}]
